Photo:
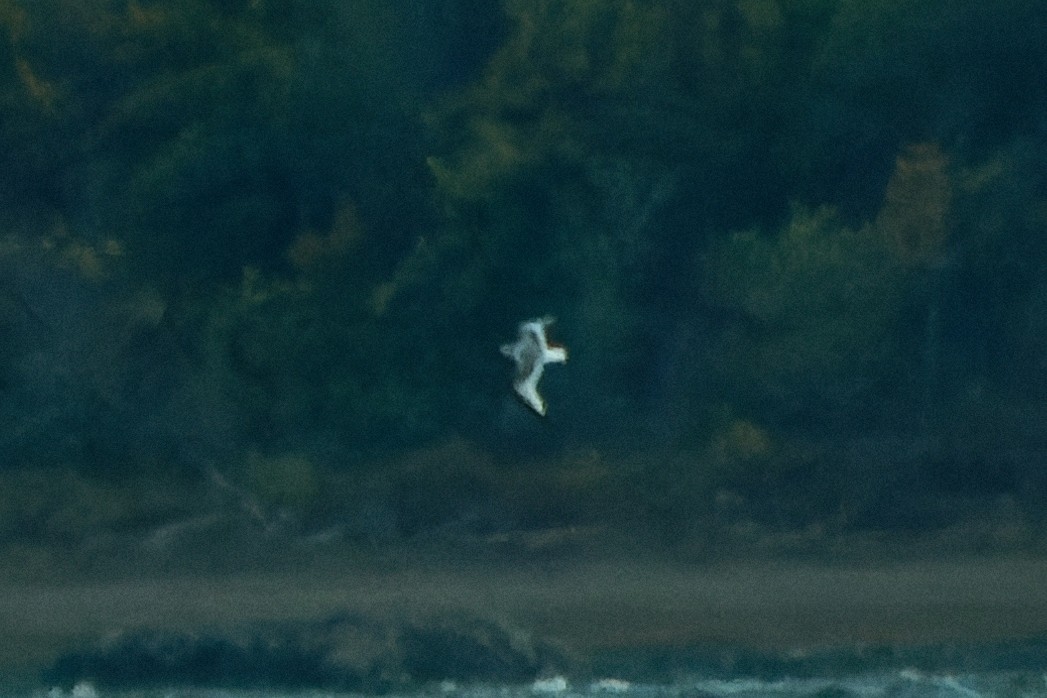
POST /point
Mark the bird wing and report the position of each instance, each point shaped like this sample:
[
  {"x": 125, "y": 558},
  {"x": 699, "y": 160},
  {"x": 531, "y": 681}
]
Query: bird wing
[
  {"x": 526, "y": 387},
  {"x": 556, "y": 355}
]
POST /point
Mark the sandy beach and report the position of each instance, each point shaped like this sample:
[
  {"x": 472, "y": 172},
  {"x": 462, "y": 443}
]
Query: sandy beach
[{"x": 584, "y": 606}]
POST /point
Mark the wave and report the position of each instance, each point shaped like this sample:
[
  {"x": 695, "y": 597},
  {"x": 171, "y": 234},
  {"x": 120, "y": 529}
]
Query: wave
[
  {"x": 906, "y": 683},
  {"x": 458, "y": 655}
]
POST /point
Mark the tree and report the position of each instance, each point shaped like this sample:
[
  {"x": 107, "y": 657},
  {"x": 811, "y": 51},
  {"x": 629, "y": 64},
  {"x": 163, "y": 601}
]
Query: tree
[
  {"x": 812, "y": 313},
  {"x": 915, "y": 223}
]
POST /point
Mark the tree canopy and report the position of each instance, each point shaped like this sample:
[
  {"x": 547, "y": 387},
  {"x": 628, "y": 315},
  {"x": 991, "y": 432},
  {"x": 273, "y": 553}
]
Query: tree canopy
[{"x": 286, "y": 238}]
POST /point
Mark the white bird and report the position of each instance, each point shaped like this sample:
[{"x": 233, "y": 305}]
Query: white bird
[{"x": 531, "y": 352}]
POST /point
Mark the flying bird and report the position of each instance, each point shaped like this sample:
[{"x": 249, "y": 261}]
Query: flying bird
[{"x": 531, "y": 352}]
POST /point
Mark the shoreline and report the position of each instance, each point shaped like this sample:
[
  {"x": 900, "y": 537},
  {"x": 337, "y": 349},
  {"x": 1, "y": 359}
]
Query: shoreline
[{"x": 592, "y": 609}]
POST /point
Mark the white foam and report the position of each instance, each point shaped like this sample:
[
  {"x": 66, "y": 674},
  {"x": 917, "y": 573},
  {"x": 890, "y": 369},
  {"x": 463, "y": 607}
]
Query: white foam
[
  {"x": 552, "y": 684},
  {"x": 82, "y": 689},
  {"x": 759, "y": 687},
  {"x": 610, "y": 686}
]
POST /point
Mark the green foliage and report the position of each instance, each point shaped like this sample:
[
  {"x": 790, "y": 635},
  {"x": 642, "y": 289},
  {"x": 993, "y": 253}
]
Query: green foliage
[
  {"x": 523, "y": 115},
  {"x": 62, "y": 505},
  {"x": 287, "y": 238},
  {"x": 447, "y": 484},
  {"x": 288, "y": 481},
  {"x": 995, "y": 289},
  {"x": 155, "y": 120},
  {"x": 915, "y": 216},
  {"x": 297, "y": 361},
  {"x": 71, "y": 324},
  {"x": 817, "y": 304}
]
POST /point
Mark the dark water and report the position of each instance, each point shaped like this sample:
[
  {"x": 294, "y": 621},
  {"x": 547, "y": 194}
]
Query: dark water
[
  {"x": 909, "y": 683},
  {"x": 494, "y": 670}
]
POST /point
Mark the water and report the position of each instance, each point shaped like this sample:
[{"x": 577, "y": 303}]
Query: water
[
  {"x": 174, "y": 666},
  {"x": 904, "y": 683},
  {"x": 459, "y": 654}
]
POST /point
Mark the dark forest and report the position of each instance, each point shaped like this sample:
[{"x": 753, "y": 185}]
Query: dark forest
[{"x": 257, "y": 259}]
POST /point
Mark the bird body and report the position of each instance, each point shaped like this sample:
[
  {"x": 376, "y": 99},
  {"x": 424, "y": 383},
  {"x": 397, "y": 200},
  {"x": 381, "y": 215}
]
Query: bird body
[{"x": 531, "y": 352}]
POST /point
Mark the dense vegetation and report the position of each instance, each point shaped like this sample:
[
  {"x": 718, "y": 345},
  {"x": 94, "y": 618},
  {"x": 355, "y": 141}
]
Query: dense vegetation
[{"x": 268, "y": 250}]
